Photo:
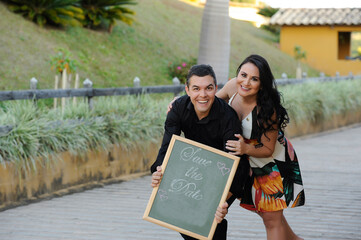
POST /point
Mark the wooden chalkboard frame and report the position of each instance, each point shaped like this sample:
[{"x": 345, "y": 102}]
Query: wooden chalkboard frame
[{"x": 168, "y": 161}]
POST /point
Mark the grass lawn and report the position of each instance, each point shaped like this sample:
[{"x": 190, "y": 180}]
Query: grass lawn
[{"x": 165, "y": 31}]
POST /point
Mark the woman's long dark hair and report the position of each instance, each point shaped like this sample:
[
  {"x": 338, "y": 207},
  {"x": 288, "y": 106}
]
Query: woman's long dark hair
[{"x": 268, "y": 98}]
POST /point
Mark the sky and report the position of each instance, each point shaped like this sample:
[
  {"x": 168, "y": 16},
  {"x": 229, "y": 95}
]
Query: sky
[{"x": 313, "y": 3}]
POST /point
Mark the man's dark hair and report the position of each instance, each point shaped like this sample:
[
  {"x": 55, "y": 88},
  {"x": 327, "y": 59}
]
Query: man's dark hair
[{"x": 201, "y": 70}]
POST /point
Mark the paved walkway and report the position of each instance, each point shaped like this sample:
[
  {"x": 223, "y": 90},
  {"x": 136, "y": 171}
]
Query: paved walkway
[{"x": 331, "y": 169}]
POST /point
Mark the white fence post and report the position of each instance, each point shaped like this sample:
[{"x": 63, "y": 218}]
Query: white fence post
[
  {"x": 64, "y": 83},
  {"x": 304, "y": 75},
  {"x": 33, "y": 86},
  {"x": 350, "y": 75},
  {"x": 33, "y": 83},
  {"x": 76, "y": 86},
  {"x": 284, "y": 78},
  {"x": 89, "y": 84},
  {"x": 136, "y": 82},
  {"x": 176, "y": 82},
  {"x": 56, "y": 86}
]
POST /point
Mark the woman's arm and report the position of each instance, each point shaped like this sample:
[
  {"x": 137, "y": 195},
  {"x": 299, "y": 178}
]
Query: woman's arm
[
  {"x": 267, "y": 148},
  {"x": 228, "y": 90}
]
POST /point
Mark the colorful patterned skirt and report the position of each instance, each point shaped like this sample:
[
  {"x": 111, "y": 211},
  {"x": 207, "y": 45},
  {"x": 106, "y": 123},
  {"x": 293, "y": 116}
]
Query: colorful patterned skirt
[{"x": 276, "y": 182}]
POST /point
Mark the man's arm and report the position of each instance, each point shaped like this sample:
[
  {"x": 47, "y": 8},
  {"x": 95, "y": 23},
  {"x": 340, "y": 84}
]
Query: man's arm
[
  {"x": 233, "y": 126},
  {"x": 172, "y": 126}
]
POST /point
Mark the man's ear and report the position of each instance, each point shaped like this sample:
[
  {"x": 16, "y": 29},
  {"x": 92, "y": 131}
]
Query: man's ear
[{"x": 186, "y": 88}]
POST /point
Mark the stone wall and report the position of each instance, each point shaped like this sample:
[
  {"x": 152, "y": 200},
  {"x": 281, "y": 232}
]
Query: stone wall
[
  {"x": 337, "y": 121},
  {"x": 73, "y": 173}
]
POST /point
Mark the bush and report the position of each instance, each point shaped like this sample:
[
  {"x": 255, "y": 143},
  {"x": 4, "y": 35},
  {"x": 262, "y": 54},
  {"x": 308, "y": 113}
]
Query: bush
[
  {"x": 317, "y": 102},
  {"x": 53, "y": 12},
  {"x": 96, "y": 12},
  {"x": 89, "y": 13},
  {"x": 180, "y": 69},
  {"x": 42, "y": 132},
  {"x": 62, "y": 60},
  {"x": 268, "y": 11}
]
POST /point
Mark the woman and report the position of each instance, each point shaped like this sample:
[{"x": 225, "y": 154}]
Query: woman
[{"x": 275, "y": 181}]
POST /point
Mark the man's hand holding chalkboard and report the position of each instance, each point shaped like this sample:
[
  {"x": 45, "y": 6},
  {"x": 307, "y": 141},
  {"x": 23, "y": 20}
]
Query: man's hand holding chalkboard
[{"x": 156, "y": 177}]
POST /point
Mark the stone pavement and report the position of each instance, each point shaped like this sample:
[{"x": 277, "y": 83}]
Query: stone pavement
[{"x": 331, "y": 170}]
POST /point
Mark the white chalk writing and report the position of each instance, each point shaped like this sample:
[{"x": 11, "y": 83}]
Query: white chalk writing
[
  {"x": 182, "y": 186},
  {"x": 194, "y": 174},
  {"x": 188, "y": 154}
]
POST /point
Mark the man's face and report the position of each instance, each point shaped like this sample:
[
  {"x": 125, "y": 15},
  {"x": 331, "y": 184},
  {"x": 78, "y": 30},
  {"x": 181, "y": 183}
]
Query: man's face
[{"x": 202, "y": 91}]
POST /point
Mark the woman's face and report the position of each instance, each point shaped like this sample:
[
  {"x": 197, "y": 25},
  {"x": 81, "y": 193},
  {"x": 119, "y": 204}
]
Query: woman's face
[{"x": 248, "y": 80}]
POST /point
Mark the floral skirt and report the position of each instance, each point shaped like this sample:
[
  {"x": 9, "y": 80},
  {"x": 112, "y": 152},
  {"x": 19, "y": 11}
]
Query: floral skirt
[{"x": 276, "y": 182}]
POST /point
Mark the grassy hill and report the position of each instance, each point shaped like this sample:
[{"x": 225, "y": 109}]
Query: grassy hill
[{"x": 164, "y": 31}]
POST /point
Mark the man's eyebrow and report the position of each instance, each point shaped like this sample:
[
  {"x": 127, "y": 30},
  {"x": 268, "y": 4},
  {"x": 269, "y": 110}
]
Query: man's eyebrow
[{"x": 206, "y": 86}]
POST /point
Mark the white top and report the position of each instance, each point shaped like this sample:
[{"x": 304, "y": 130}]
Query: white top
[{"x": 246, "y": 122}]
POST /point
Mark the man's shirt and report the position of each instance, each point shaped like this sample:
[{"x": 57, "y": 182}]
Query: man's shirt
[{"x": 214, "y": 130}]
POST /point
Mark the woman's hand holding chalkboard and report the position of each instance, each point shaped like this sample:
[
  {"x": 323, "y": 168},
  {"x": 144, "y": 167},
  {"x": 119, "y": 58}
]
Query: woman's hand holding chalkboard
[
  {"x": 221, "y": 212},
  {"x": 156, "y": 177}
]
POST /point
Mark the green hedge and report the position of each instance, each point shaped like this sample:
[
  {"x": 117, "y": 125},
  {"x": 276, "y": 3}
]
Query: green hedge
[
  {"x": 315, "y": 102},
  {"x": 128, "y": 121}
]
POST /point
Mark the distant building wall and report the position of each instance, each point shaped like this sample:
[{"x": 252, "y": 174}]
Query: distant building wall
[{"x": 322, "y": 47}]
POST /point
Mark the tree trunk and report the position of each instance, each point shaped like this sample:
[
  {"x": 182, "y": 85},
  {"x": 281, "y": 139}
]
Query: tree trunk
[{"x": 214, "y": 46}]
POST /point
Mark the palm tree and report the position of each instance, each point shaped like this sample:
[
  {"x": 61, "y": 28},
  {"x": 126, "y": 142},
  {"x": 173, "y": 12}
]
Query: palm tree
[{"x": 214, "y": 46}]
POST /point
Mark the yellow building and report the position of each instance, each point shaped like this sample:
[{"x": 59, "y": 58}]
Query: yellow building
[{"x": 325, "y": 34}]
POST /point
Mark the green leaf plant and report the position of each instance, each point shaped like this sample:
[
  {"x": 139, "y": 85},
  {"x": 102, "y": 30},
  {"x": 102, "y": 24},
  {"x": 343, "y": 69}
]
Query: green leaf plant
[
  {"x": 52, "y": 12},
  {"x": 109, "y": 11}
]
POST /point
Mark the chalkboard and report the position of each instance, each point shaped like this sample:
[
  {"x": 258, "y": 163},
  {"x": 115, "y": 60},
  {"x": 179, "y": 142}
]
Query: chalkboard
[{"x": 196, "y": 180}]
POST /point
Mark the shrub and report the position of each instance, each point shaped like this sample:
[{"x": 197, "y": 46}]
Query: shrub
[
  {"x": 299, "y": 54},
  {"x": 180, "y": 69},
  {"x": 38, "y": 133},
  {"x": 315, "y": 102},
  {"x": 268, "y": 11},
  {"x": 96, "y": 12},
  {"x": 62, "y": 60},
  {"x": 53, "y": 12},
  {"x": 89, "y": 13}
]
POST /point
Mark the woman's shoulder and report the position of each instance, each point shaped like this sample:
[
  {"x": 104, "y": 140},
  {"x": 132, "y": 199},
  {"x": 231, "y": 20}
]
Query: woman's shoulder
[
  {"x": 228, "y": 90},
  {"x": 231, "y": 83}
]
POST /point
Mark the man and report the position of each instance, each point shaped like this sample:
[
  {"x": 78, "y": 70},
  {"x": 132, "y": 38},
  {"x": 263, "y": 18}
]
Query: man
[{"x": 204, "y": 118}]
